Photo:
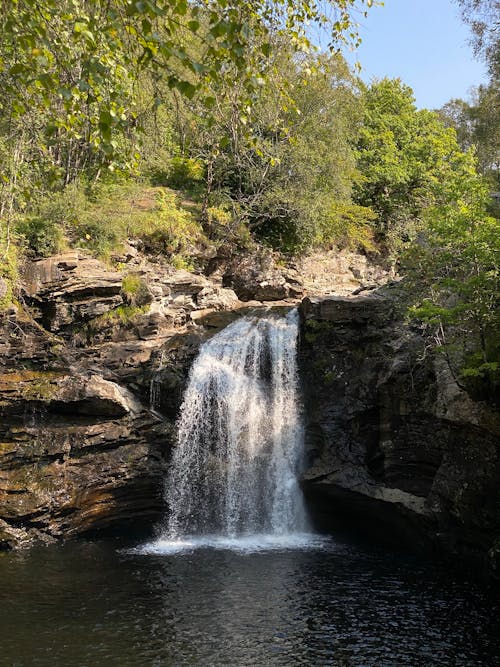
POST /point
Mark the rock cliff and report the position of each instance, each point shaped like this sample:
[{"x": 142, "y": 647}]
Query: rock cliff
[
  {"x": 85, "y": 431},
  {"x": 395, "y": 446},
  {"x": 93, "y": 362}
]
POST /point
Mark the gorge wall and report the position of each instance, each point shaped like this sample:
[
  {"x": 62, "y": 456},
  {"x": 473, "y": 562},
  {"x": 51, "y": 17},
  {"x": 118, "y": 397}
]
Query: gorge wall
[
  {"x": 395, "y": 446},
  {"x": 92, "y": 370},
  {"x": 93, "y": 362}
]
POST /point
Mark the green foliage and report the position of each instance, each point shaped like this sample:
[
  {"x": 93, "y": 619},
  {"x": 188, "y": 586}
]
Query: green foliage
[
  {"x": 43, "y": 231},
  {"x": 349, "y": 226},
  {"x": 224, "y": 226},
  {"x": 480, "y": 378},
  {"x": 184, "y": 172},
  {"x": 125, "y": 315},
  {"x": 70, "y": 71},
  {"x": 404, "y": 157},
  {"x": 453, "y": 273},
  {"x": 172, "y": 230},
  {"x": 299, "y": 161},
  {"x": 482, "y": 16},
  {"x": 101, "y": 221},
  {"x": 92, "y": 233},
  {"x": 205, "y": 92},
  {"x": 477, "y": 123},
  {"x": 42, "y": 236},
  {"x": 131, "y": 284}
]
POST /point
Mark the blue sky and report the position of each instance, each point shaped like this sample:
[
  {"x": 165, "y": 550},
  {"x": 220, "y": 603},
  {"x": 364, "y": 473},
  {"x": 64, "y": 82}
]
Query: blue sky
[{"x": 423, "y": 42}]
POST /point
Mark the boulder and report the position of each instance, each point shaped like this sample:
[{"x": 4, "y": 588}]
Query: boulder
[
  {"x": 257, "y": 277},
  {"x": 367, "y": 309},
  {"x": 70, "y": 287}
]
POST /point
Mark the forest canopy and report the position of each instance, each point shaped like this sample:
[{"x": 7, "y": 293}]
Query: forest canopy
[{"x": 274, "y": 142}]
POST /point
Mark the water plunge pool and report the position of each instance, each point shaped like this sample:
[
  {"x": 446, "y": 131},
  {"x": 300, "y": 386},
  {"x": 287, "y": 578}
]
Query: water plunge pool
[{"x": 325, "y": 601}]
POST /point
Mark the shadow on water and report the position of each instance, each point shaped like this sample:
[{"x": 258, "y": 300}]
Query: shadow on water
[{"x": 337, "y": 603}]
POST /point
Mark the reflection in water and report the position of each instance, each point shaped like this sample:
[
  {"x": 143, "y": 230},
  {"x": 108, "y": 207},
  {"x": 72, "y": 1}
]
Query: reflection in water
[{"x": 330, "y": 604}]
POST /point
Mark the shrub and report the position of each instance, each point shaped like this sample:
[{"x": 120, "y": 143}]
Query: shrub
[
  {"x": 184, "y": 172},
  {"x": 131, "y": 284},
  {"x": 171, "y": 230},
  {"x": 135, "y": 290},
  {"x": 41, "y": 235},
  {"x": 223, "y": 226},
  {"x": 348, "y": 226},
  {"x": 97, "y": 235},
  {"x": 44, "y": 231}
]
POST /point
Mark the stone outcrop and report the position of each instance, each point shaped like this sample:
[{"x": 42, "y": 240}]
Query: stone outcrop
[
  {"x": 395, "y": 446},
  {"x": 71, "y": 287},
  {"x": 94, "y": 361},
  {"x": 256, "y": 277},
  {"x": 92, "y": 371},
  {"x": 77, "y": 453}
]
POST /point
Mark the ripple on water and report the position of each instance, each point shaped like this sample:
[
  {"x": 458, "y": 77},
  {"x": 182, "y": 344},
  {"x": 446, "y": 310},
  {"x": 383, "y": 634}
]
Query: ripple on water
[{"x": 299, "y": 600}]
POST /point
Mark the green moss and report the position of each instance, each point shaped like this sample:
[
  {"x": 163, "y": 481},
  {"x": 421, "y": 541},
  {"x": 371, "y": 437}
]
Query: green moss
[
  {"x": 31, "y": 385},
  {"x": 329, "y": 377},
  {"x": 317, "y": 325},
  {"x": 131, "y": 284},
  {"x": 122, "y": 315},
  {"x": 315, "y": 329}
]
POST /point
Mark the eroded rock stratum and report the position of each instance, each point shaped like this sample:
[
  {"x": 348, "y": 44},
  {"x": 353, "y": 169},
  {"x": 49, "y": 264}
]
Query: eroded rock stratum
[
  {"x": 94, "y": 360},
  {"x": 394, "y": 444},
  {"x": 92, "y": 367}
]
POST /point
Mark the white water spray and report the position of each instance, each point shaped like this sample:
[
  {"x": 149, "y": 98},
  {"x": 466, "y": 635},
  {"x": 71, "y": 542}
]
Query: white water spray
[{"x": 240, "y": 438}]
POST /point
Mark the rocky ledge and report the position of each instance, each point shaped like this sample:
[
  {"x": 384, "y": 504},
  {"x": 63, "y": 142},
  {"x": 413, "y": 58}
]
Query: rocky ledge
[
  {"x": 93, "y": 361},
  {"x": 395, "y": 446}
]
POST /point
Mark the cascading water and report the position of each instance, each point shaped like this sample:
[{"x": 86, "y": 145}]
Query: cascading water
[{"x": 234, "y": 470}]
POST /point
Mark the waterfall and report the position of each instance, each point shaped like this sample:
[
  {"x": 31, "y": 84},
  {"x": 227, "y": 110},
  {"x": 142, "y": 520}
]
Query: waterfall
[{"x": 239, "y": 436}]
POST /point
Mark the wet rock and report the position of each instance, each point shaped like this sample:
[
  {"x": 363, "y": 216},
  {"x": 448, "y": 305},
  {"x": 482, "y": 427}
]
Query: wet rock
[
  {"x": 77, "y": 453},
  {"x": 395, "y": 445}
]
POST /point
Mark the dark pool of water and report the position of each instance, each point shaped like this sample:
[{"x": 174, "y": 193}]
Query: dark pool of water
[{"x": 94, "y": 603}]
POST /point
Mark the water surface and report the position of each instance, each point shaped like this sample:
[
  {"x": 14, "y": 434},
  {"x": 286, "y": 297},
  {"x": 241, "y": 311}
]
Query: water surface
[{"x": 325, "y": 602}]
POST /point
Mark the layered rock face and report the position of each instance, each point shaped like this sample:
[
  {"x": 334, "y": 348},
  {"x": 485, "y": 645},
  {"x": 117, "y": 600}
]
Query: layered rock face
[
  {"x": 92, "y": 370},
  {"x": 78, "y": 453},
  {"x": 81, "y": 446},
  {"x": 395, "y": 447},
  {"x": 93, "y": 365}
]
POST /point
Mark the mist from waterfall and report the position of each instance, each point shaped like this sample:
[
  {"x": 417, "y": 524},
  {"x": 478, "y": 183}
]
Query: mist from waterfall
[{"x": 234, "y": 471}]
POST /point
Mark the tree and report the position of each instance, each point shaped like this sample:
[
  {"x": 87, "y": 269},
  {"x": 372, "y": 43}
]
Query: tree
[
  {"x": 477, "y": 124},
  {"x": 70, "y": 70},
  {"x": 76, "y": 60},
  {"x": 453, "y": 273},
  {"x": 404, "y": 155},
  {"x": 482, "y": 16},
  {"x": 285, "y": 166}
]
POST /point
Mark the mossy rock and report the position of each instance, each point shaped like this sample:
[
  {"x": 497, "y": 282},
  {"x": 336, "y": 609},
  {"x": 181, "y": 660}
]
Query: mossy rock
[{"x": 29, "y": 385}]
